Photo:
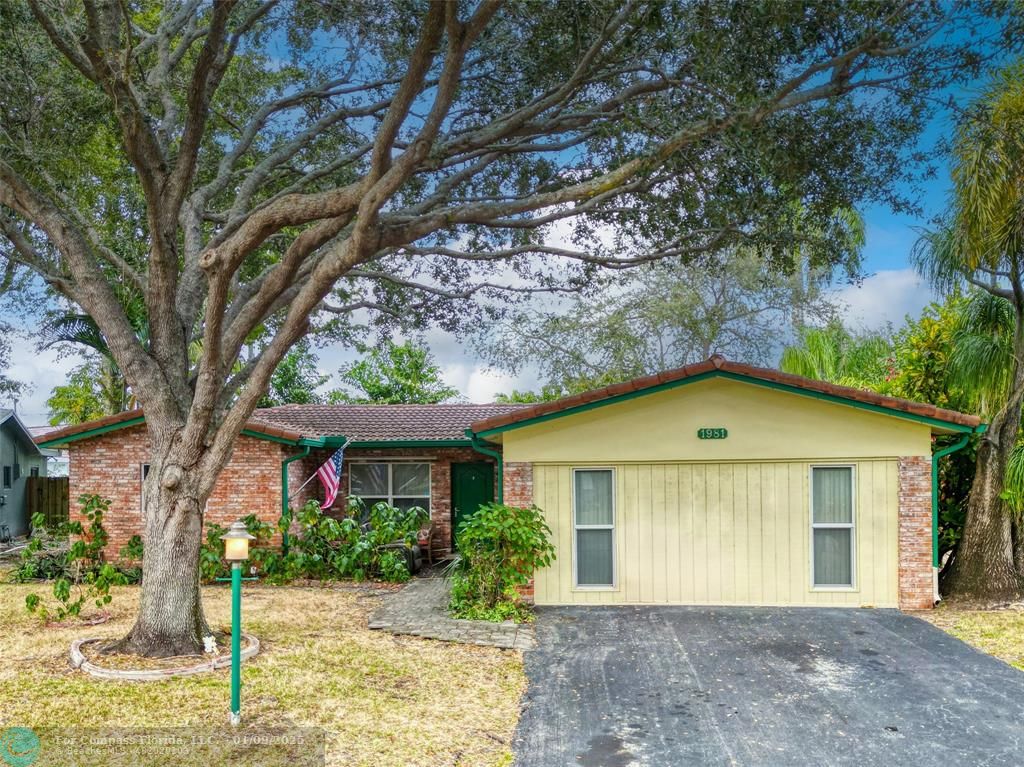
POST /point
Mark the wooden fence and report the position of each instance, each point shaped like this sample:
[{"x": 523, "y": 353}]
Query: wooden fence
[{"x": 49, "y": 497}]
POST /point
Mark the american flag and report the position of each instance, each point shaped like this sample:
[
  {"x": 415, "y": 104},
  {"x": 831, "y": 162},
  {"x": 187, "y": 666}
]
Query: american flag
[{"x": 330, "y": 477}]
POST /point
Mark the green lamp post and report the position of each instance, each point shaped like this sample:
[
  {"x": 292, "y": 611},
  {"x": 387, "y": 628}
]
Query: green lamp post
[{"x": 236, "y": 551}]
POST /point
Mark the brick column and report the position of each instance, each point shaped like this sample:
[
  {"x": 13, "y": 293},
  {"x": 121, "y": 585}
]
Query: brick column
[
  {"x": 517, "y": 479},
  {"x": 518, "y": 484},
  {"x": 916, "y": 580}
]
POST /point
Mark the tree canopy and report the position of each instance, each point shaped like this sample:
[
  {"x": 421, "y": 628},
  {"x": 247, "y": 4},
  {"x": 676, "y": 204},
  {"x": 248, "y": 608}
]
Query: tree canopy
[
  {"x": 275, "y": 166},
  {"x": 660, "y": 316},
  {"x": 296, "y": 379},
  {"x": 10, "y": 389},
  {"x": 393, "y": 374}
]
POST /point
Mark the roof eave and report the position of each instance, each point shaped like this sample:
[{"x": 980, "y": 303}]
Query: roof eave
[
  {"x": 255, "y": 430},
  {"x": 13, "y": 417},
  {"x": 491, "y": 427}
]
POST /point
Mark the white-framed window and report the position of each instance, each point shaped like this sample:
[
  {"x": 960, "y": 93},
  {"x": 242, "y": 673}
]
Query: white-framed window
[
  {"x": 593, "y": 519},
  {"x": 402, "y": 484},
  {"x": 833, "y": 535}
]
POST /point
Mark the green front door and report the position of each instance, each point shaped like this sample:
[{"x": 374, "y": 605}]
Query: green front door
[{"x": 472, "y": 486}]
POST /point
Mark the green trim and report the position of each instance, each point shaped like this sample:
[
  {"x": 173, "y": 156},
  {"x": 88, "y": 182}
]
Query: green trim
[
  {"x": 958, "y": 445},
  {"x": 478, "y": 445},
  {"x": 936, "y": 422},
  {"x": 284, "y": 492},
  {"x": 139, "y": 420},
  {"x": 367, "y": 444},
  {"x": 89, "y": 433}
]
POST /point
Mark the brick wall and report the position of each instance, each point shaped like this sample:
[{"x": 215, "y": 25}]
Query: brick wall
[
  {"x": 916, "y": 584},
  {"x": 518, "y": 491},
  {"x": 111, "y": 466},
  {"x": 440, "y": 460}
]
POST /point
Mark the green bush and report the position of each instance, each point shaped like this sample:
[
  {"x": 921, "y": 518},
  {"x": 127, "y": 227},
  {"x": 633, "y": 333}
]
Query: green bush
[
  {"x": 80, "y": 574},
  {"x": 500, "y": 547},
  {"x": 212, "y": 564},
  {"x": 359, "y": 545}
]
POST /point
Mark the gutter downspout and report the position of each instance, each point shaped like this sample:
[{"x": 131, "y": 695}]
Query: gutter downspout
[
  {"x": 284, "y": 492},
  {"x": 958, "y": 445},
  {"x": 481, "y": 447}
]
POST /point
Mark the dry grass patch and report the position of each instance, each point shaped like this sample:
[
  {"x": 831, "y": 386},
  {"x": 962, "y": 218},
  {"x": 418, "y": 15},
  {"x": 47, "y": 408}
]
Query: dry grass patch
[
  {"x": 382, "y": 700},
  {"x": 997, "y": 632}
]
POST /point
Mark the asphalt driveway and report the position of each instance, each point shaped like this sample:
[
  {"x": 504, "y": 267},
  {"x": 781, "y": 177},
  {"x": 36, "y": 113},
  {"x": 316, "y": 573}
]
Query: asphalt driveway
[{"x": 611, "y": 687}]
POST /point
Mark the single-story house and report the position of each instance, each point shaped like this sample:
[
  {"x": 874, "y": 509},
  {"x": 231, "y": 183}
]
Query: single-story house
[
  {"x": 20, "y": 458},
  {"x": 716, "y": 483}
]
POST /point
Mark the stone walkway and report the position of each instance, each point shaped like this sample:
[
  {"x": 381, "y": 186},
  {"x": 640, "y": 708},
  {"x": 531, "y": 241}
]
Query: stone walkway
[{"x": 421, "y": 609}]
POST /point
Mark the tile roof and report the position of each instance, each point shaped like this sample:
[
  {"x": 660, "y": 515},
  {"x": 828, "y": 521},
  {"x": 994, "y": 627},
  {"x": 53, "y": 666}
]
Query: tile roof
[
  {"x": 383, "y": 423},
  {"x": 718, "y": 363}
]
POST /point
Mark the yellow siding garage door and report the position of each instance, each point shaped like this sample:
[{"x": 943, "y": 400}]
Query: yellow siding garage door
[{"x": 721, "y": 534}]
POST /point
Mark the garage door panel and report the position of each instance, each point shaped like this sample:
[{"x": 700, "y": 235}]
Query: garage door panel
[{"x": 707, "y": 533}]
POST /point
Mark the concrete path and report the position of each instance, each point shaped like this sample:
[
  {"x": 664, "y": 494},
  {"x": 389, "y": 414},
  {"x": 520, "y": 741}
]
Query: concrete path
[
  {"x": 672, "y": 686},
  {"x": 421, "y": 609}
]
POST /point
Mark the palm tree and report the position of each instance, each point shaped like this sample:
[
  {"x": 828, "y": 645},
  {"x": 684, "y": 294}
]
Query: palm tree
[
  {"x": 81, "y": 330},
  {"x": 834, "y": 354},
  {"x": 982, "y": 243}
]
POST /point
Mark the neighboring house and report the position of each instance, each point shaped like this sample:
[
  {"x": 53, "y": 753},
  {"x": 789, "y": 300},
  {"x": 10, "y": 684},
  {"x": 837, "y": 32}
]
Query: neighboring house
[
  {"x": 716, "y": 483},
  {"x": 20, "y": 459},
  {"x": 56, "y": 460}
]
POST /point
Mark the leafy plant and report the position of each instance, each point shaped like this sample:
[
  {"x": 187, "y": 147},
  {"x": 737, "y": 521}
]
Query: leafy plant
[
  {"x": 393, "y": 567},
  {"x": 212, "y": 564},
  {"x": 501, "y": 547},
  {"x": 80, "y": 574},
  {"x": 131, "y": 559},
  {"x": 464, "y": 604},
  {"x": 367, "y": 542}
]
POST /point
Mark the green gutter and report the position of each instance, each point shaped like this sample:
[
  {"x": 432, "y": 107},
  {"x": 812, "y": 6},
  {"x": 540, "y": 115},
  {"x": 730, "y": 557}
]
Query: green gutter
[
  {"x": 307, "y": 444},
  {"x": 386, "y": 443},
  {"x": 284, "y": 492},
  {"x": 958, "y": 445},
  {"x": 479, "y": 445}
]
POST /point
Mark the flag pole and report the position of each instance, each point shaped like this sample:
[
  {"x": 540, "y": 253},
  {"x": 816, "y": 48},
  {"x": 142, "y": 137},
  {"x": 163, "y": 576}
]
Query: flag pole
[{"x": 313, "y": 475}]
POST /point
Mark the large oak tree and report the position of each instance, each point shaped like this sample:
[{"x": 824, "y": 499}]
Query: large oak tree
[{"x": 254, "y": 170}]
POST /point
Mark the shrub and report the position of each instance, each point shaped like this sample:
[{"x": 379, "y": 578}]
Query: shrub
[
  {"x": 80, "y": 574},
  {"x": 360, "y": 545},
  {"x": 500, "y": 547},
  {"x": 212, "y": 564}
]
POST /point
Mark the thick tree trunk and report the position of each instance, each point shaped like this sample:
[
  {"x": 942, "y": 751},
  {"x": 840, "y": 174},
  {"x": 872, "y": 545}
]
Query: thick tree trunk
[
  {"x": 170, "y": 619},
  {"x": 985, "y": 568}
]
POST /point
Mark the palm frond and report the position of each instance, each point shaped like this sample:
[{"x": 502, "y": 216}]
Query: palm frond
[
  {"x": 1013, "y": 480},
  {"x": 78, "y": 329},
  {"x": 981, "y": 361}
]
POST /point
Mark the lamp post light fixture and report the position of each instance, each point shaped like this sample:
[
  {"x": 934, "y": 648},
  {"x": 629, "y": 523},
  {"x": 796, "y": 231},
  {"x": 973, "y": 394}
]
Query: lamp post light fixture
[{"x": 236, "y": 551}]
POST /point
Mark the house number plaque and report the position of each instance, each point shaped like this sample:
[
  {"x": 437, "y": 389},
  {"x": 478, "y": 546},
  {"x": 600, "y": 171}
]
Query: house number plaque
[{"x": 712, "y": 433}]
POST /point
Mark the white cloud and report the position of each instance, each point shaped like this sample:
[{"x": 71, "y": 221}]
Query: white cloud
[
  {"x": 460, "y": 366},
  {"x": 884, "y": 297},
  {"x": 42, "y": 370}
]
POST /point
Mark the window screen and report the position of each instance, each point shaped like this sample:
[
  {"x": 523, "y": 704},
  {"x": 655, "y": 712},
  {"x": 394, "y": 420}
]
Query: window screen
[
  {"x": 594, "y": 519},
  {"x": 832, "y": 525}
]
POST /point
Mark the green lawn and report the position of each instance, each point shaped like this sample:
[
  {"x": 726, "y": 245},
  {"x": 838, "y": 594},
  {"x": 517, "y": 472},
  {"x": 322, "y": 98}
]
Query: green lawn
[
  {"x": 382, "y": 700},
  {"x": 996, "y": 632}
]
